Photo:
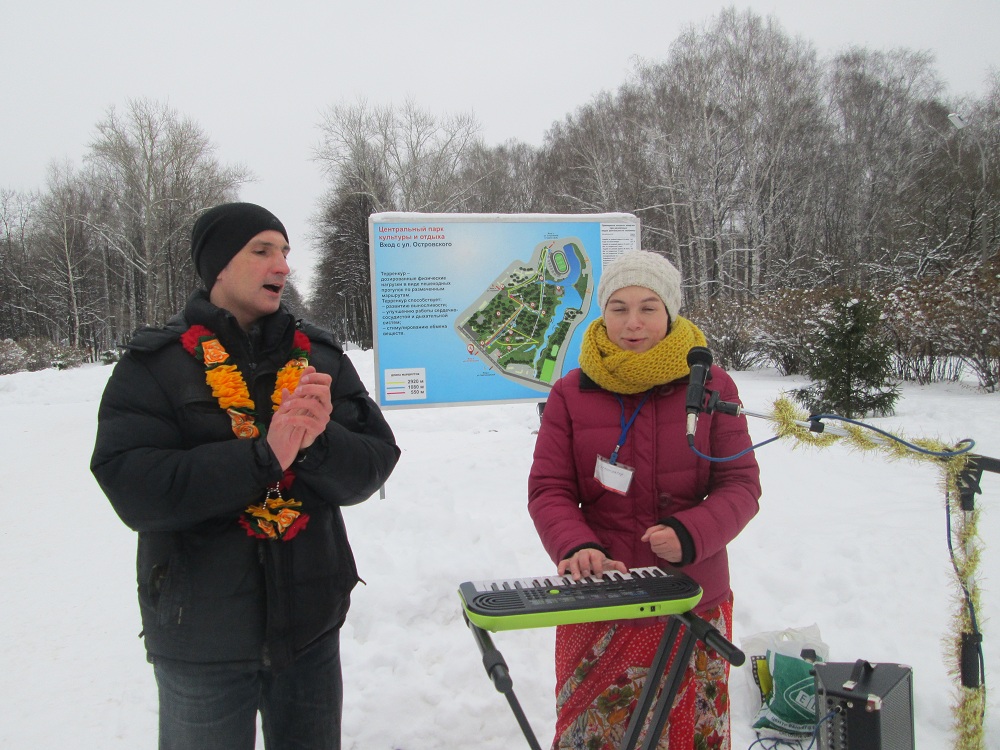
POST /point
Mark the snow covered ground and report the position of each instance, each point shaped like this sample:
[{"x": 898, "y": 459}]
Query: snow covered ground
[{"x": 849, "y": 541}]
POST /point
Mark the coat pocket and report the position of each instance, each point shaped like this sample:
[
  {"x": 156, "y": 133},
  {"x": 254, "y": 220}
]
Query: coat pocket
[{"x": 163, "y": 593}]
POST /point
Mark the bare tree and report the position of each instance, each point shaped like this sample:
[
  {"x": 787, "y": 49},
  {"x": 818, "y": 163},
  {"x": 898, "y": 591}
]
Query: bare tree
[
  {"x": 737, "y": 121},
  {"x": 977, "y": 152},
  {"x": 876, "y": 102},
  {"x": 380, "y": 159},
  {"x": 341, "y": 297},
  {"x": 404, "y": 159},
  {"x": 503, "y": 179},
  {"x": 155, "y": 170},
  {"x": 63, "y": 254},
  {"x": 17, "y": 302},
  {"x": 594, "y": 160}
]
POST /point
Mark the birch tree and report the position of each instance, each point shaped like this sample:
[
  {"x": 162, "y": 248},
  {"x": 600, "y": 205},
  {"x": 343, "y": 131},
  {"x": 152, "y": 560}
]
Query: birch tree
[
  {"x": 63, "y": 255},
  {"x": 503, "y": 179},
  {"x": 155, "y": 170},
  {"x": 341, "y": 298},
  {"x": 738, "y": 121},
  {"x": 380, "y": 158},
  {"x": 876, "y": 102},
  {"x": 403, "y": 158},
  {"x": 16, "y": 295}
]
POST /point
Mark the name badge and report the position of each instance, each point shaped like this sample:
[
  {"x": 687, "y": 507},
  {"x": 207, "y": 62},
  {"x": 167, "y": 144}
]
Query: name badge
[{"x": 615, "y": 477}]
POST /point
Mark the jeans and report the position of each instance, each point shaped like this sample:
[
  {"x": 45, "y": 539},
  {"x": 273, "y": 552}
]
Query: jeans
[{"x": 214, "y": 706}]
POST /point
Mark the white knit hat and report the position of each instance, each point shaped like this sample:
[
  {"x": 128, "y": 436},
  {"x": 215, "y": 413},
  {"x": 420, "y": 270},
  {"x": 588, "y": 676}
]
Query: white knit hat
[{"x": 646, "y": 269}]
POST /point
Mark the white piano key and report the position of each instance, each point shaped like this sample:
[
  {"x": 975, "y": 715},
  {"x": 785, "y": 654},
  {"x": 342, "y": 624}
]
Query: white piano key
[{"x": 546, "y": 582}]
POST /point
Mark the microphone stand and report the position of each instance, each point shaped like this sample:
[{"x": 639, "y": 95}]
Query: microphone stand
[
  {"x": 968, "y": 483},
  {"x": 499, "y": 674}
]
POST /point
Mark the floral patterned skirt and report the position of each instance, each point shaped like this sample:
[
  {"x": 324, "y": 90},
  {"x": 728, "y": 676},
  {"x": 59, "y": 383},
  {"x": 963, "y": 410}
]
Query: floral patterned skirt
[{"x": 601, "y": 669}]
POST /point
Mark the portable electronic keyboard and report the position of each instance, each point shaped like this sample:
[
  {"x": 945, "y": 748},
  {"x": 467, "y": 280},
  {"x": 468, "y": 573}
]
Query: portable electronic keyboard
[{"x": 545, "y": 601}]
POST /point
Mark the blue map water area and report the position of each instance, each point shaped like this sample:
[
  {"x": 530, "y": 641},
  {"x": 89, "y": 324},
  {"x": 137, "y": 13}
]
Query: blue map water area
[
  {"x": 475, "y": 256},
  {"x": 571, "y": 297}
]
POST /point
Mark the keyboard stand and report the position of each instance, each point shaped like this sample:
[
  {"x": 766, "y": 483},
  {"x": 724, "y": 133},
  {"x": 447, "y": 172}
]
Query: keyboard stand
[
  {"x": 696, "y": 629},
  {"x": 497, "y": 670}
]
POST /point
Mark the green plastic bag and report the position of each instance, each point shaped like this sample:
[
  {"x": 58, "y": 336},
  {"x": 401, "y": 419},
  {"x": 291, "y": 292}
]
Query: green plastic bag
[
  {"x": 754, "y": 685},
  {"x": 789, "y": 708}
]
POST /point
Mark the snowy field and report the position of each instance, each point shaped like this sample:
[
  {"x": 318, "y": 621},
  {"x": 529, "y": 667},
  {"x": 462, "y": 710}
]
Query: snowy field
[{"x": 848, "y": 541}]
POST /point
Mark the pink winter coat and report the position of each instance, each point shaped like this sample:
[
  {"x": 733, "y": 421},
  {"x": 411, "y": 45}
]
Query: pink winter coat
[{"x": 709, "y": 503}]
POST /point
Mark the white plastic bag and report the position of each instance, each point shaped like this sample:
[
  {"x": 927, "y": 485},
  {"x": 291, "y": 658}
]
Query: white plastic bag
[{"x": 756, "y": 678}]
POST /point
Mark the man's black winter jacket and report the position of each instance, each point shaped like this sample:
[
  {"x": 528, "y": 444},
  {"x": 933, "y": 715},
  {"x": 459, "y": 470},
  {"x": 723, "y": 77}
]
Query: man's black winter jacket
[{"x": 168, "y": 460}]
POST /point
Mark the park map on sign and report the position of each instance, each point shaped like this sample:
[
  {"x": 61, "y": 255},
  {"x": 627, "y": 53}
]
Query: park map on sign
[{"x": 521, "y": 324}]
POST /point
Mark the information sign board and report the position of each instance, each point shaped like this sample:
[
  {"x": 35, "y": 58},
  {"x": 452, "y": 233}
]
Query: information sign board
[{"x": 484, "y": 308}]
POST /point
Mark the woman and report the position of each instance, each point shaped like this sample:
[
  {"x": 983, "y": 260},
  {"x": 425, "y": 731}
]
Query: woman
[{"x": 614, "y": 485}]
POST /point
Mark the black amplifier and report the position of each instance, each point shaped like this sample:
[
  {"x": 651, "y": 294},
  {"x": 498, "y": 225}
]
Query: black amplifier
[{"x": 873, "y": 705}]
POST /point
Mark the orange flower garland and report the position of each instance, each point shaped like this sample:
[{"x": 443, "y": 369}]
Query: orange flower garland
[{"x": 275, "y": 517}]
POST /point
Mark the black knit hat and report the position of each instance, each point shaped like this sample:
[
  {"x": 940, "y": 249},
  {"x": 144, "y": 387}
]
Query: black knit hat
[{"x": 223, "y": 231}]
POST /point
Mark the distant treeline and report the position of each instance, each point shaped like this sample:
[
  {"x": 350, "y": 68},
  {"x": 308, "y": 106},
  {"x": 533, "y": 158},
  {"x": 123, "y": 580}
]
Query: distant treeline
[{"x": 762, "y": 171}]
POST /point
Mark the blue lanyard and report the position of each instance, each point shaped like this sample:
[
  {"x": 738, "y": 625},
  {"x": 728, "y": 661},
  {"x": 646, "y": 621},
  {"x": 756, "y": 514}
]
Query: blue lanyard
[{"x": 625, "y": 425}]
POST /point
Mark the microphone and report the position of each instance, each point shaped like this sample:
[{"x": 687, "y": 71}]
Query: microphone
[{"x": 699, "y": 359}]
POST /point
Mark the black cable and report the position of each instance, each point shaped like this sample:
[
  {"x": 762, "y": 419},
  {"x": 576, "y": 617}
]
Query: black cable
[
  {"x": 819, "y": 724},
  {"x": 973, "y": 620},
  {"x": 776, "y": 742},
  {"x": 969, "y": 444},
  {"x": 729, "y": 458}
]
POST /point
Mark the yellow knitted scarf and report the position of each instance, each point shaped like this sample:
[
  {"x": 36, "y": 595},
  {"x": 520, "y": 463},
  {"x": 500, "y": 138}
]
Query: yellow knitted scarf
[{"x": 621, "y": 371}]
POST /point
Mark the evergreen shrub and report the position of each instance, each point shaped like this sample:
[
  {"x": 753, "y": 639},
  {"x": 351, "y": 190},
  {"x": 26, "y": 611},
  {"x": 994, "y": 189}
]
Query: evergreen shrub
[
  {"x": 786, "y": 320},
  {"x": 850, "y": 360}
]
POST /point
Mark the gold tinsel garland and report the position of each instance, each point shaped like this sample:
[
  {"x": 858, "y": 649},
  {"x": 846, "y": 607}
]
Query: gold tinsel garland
[{"x": 969, "y": 702}]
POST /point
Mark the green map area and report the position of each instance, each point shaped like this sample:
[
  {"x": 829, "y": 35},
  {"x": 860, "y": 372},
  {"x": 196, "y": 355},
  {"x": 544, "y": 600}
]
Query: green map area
[{"x": 519, "y": 326}]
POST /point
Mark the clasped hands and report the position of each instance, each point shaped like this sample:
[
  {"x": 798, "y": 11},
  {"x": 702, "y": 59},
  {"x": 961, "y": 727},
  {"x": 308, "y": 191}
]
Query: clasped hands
[
  {"x": 302, "y": 416},
  {"x": 585, "y": 562}
]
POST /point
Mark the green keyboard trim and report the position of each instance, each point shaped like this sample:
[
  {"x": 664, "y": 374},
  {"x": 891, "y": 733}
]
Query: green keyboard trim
[
  {"x": 551, "y": 618},
  {"x": 495, "y": 623}
]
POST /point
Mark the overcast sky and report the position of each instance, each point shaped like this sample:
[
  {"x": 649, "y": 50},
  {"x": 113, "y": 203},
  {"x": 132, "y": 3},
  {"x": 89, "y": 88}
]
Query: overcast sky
[{"x": 256, "y": 76}]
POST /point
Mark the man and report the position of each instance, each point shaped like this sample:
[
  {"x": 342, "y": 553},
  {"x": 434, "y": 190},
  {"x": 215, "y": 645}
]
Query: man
[{"x": 229, "y": 439}]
